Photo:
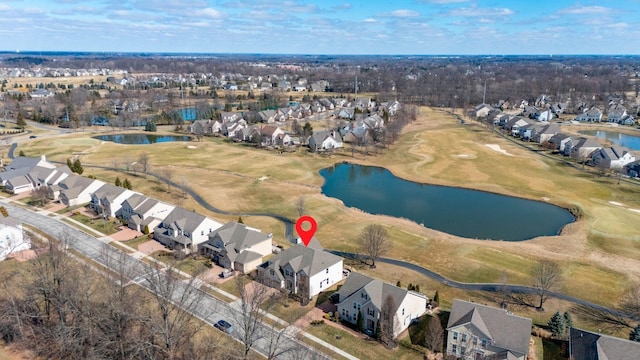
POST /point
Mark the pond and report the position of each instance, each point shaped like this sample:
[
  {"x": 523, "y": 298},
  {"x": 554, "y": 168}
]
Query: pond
[
  {"x": 631, "y": 142},
  {"x": 141, "y": 139},
  {"x": 462, "y": 212}
]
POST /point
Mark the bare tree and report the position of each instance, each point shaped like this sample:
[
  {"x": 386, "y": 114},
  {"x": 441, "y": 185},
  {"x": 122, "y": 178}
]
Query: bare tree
[
  {"x": 250, "y": 315},
  {"x": 434, "y": 337},
  {"x": 374, "y": 241},
  {"x": 388, "y": 322},
  {"x": 300, "y": 205},
  {"x": 144, "y": 162},
  {"x": 167, "y": 174},
  {"x": 172, "y": 325},
  {"x": 546, "y": 276}
]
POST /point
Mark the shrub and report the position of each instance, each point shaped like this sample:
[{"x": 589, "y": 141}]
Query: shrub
[{"x": 317, "y": 322}]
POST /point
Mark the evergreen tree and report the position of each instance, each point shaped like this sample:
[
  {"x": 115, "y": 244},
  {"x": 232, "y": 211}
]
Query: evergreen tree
[
  {"x": 20, "y": 121},
  {"x": 240, "y": 221},
  {"x": 69, "y": 164},
  {"x": 77, "y": 167},
  {"x": 118, "y": 182},
  {"x": 568, "y": 321},
  {"x": 21, "y": 153},
  {"x": 557, "y": 325},
  {"x": 360, "y": 322},
  {"x": 126, "y": 184},
  {"x": 151, "y": 126},
  {"x": 635, "y": 334},
  {"x": 399, "y": 284},
  {"x": 378, "y": 333},
  {"x": 436, "y": 297}
]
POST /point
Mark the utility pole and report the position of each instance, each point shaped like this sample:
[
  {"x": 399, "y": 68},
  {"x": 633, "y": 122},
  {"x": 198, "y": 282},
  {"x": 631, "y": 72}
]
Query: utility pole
[{"x": 484, "y": 93}]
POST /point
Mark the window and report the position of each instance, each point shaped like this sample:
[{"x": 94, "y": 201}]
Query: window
[
  {"x": 402, "y": 311},
  {"x": 320, "y": 284},
  {"x": 475, "y": 340},
  {"x": 454, "y": 348},
  {"x": 463, "y": 350},
  {"x": 202, "y": 232},
  {"x": 371, "y": 312},
  {"x": 455, "y": 335},
  {"x": 464, "y": 337},
  {"x": 484, "y": 342},
  {"x": 327, "y": 271}
]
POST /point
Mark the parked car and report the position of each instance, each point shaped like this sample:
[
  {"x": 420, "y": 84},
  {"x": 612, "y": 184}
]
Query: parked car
[
  {"x": 32, "y": 137},
  {"x": 225, "y": 326},
  {"x": 226, "y": 273}
]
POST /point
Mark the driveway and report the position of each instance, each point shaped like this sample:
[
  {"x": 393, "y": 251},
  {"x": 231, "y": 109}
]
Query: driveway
[{"x": 125, "y": 234}]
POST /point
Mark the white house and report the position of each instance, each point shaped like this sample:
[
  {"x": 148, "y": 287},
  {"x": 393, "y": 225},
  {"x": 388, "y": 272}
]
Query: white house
[
  {"x": 612, "y": 157},
  {"x": 592, "y": 115},
  {"x": 363, "y": 296},
  {"x": 107, "y": 200},
  {"x": 302, "y": 270},
  {"x": 478, "y": 331},
  {"x": 237, "y": 246},
  {"x": 143, "y": 214},
  {"x": 12, "y": 238},
  {"x": 74, "y": 190},
  {"x": 184, "y": 230},
  {"x": 325, "y": 140}
]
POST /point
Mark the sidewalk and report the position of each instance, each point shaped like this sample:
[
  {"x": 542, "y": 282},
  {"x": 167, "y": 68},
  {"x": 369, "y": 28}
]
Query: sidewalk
[{"x": 106, "y": 239}]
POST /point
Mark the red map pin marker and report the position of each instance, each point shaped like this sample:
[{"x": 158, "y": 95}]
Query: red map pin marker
[{"x": 306, "y": 235}]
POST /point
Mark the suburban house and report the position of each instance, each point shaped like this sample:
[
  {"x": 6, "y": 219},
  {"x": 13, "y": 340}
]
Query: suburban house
[
  {"x": 363, "y": 295},
  {"x": 325, "y": 140},
  {"x": 237, "y": 246},
  {"x": 633, "y": 169},
  {"x": 12, "y": 238},
  {"x": 545, "y": 115},
  {"x": 583, "y": 148},
  {"x": 592, "y": 115},
  {"x": 302, "y": 270},
  {"x": 74, "y": 190},
  {"x": 544, "y": 132},
  {"x": 476, "y": 330},
  {"x": 143, "y": 214},
  {"x": 26, "y": 174},
  {"x": 107, "y": 200},
  {"x": 586, "y": 345},
  {"x": 270, "y": 134},
  {"x": 481, "y": 110},
  {"x": 267, "y": 116},
  {"x": 612, "y": 157},
  {"x": 184, "y": 230},
  {"x": 561, "y": 142},
  {"x": 616, "y": 113}
]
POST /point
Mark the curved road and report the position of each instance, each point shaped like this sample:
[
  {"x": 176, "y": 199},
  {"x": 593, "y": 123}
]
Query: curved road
[{"x": 491, "y": 287}]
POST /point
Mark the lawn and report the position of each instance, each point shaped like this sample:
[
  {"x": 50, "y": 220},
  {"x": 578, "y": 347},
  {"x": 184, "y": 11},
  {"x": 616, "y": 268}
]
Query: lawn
[
  {"x": 361, "y": 348},
  {"x": 104, "y": 226},
  {"x": 600, "y": 249},
  {"x": 133, "y": 243}
]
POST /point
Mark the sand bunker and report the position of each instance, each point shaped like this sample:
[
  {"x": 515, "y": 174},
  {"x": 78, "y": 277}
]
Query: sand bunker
[
  {"x": 192, "y": 147},
  {"x": 496, "y": 147}
]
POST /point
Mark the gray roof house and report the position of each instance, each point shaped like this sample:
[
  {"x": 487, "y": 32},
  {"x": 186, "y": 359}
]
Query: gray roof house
[
  {"x": 365, "y": 295},
  {"x": 302, "y": 270},
  {"x": 612, "y": 157},
  {"x": 582, "y": 148},
  {"x": 143, "y": 213},
  {"x": 107, "y": 199},
  {"x": 237, "y": 246},
  {"x": 74, "y": 190},
  {"x": 586, "y": 345},
  {"x": 184, "y": 230},
  {"x": 19, "y": 168},
  {"x": 478, "y": 330},
  {"x": 325, "y": 140}
]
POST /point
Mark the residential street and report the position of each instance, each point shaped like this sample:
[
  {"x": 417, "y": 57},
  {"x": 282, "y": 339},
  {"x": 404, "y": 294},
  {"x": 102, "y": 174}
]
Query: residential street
[{"x": 209, "y": 310}]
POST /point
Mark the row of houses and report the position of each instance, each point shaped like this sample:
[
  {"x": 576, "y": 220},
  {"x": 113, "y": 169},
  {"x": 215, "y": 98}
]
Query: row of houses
[
  {"x": 476, "y": 331},
  {"x": 548, "y": 135}
]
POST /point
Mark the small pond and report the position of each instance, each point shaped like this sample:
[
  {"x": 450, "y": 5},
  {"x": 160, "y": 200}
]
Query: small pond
[
  {"x": 631, "y": 142},
  {"x": 141, "y": 139},
  {"x": 457, "y": 211}
]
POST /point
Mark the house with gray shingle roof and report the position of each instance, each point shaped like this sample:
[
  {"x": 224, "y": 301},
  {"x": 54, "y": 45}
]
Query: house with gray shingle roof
[
  {"x": 26, "y": 174},
  {"x": 237, "y": 246},
  {"x": 586, "y": 345},
  {"x": 582, "y": 148},
  {"x": 107, "y": 199},
  {"x": 591, "y": 115},
  {"x": 478, "y": 330},
  {"x": 74, "y": 190},
  {"x": 143, "y": 213},
  {"x": 184, "y": 230},
  {"x": 612, "y": 157},
  {"x": 302, "y": 270},
  {"x": 363, "y": 295}
]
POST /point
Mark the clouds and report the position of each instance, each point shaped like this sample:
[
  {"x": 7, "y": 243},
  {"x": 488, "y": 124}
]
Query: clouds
[{"x": 319, "y": 26}]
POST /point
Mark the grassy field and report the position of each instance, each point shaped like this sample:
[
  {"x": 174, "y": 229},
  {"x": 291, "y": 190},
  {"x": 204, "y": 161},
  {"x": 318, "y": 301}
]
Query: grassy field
[{"x": 600, "y": 252}]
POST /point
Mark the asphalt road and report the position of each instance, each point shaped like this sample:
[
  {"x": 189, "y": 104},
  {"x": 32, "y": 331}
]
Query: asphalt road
[{"x": 208, "y": 309}]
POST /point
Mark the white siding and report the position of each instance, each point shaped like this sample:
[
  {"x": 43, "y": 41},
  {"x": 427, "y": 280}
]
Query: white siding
[{"x": 318, "y": 282}]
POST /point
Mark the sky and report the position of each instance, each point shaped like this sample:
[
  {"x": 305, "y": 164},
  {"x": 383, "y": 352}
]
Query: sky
[{"x": 371, "y": 27}]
